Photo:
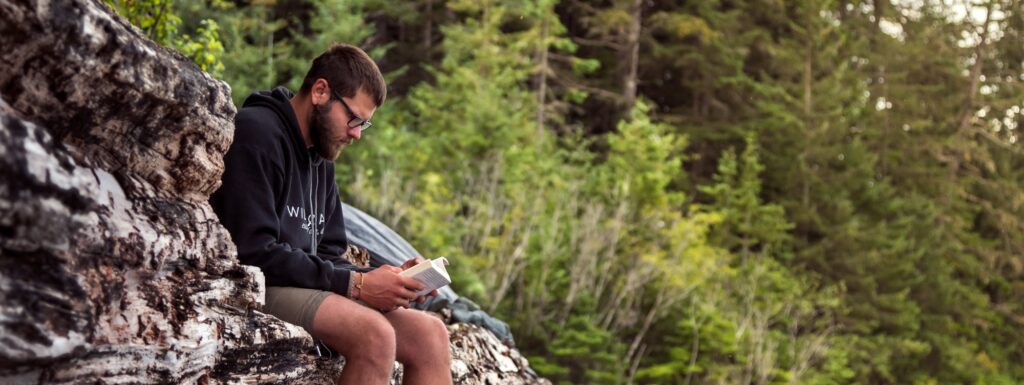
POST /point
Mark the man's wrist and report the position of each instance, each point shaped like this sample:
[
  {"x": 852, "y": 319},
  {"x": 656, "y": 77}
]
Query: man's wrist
[{"x": 353, "y": 286}]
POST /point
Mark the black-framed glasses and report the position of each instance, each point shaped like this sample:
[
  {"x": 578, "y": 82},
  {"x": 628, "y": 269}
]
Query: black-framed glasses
[{"x": 356, "y": 121}]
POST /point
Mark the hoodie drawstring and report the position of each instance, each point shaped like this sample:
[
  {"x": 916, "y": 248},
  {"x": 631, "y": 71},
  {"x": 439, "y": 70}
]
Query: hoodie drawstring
[{"x": 312, "y": 208}]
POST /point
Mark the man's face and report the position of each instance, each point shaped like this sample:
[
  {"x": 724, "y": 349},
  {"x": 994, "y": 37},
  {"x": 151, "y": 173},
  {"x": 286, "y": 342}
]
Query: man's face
[{"x": 329, "y": 123}]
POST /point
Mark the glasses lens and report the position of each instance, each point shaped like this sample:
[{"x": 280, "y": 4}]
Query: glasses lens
[{"x": 357, "y": 122}]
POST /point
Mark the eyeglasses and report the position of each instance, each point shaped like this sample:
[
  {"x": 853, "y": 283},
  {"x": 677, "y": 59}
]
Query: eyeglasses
[{"x": 356, "y": 121}]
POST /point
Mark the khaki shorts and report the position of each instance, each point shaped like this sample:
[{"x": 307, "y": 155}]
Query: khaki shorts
[{"x": 294, "y": 305}]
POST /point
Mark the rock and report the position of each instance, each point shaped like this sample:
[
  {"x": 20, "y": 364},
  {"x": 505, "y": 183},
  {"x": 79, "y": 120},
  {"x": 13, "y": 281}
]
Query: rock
[
  {"x": 113, "y": 267},
  {"x": 478, "y": 357}
]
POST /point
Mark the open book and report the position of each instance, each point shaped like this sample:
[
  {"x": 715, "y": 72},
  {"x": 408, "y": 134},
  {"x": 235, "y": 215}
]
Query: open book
[{"x": 431, "y": 273}]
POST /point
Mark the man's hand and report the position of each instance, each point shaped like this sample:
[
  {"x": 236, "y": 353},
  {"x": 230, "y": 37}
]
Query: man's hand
[
  {"x": 384, "y": 289},
  {"x": 413, "y": 262}
]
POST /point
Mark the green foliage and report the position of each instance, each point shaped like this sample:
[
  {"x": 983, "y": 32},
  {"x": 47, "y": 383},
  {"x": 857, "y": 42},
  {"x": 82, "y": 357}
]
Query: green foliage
[
  {"x": 584, "y": 353},
  {"x": 736, "y": 193},
  {"x": 695, "y": 343},
  {"x": 254, "y": 58},
  {"x": 156, "y": 18},
  {"x": 160, "y": 21},
  {"x": 643, "y": 162},
  {"x": 205, "y": 49},
  {"x": 331, "y": 21}
]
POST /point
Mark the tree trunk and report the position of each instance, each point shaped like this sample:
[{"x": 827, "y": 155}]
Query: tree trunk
[
  {"x": 958, "y": 149},
  {"x": 542, "y": 77},
  {"x": 632, "y": 47},
  {"x": 428, "y": 29}
]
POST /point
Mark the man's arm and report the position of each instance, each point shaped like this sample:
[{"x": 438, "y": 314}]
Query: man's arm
[
  {"x": 334, "y": 242},
  {"x": 245, "y": 204},
  {"x": 382, "y": 288}
]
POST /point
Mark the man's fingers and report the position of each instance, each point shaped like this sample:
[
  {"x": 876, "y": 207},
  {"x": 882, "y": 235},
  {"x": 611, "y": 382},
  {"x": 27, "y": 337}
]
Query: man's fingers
[
  {"x": 432, "y": 293},
  {"x": 421, "y": 299},
  {"x": 412, "y": 284},
  {"x": 412, "y": 262},
  {"x": 399, "y": 302},
  {"x": 407, "y": 295}
]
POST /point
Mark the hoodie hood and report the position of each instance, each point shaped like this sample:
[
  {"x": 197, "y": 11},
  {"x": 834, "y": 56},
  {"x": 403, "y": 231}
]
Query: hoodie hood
[{"x": 279, "y": 101}]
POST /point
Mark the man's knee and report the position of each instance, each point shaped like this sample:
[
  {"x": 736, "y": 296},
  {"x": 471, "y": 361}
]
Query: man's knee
[
  {"x": 431, "y": 344},
  {"x": 438, "y": 331},
  {"x": 376, "y": 343}
]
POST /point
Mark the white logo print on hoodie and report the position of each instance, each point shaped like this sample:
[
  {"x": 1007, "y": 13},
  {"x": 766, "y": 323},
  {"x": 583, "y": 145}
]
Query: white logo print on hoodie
[{"x": 308, "y": 225}]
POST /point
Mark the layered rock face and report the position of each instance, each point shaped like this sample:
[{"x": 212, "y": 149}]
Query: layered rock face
[{"x": 113, "y": 267}]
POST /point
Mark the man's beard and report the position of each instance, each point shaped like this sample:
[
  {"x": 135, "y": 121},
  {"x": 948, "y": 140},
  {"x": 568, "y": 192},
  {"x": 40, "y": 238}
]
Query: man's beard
[{"x": 320, "y": 133}]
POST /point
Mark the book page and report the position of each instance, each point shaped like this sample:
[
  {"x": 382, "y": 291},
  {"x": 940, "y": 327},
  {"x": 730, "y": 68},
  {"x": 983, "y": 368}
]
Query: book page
[{"x": 432, "y": 274}]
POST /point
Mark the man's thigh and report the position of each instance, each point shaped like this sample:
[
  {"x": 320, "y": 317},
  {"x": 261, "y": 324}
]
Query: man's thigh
[
  {"x": 343, "y": 323},
  {"x": 294, "y": 305}
]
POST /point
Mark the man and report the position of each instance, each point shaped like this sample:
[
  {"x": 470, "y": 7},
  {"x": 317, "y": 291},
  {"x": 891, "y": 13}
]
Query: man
[{"x": 280, "y": 203}]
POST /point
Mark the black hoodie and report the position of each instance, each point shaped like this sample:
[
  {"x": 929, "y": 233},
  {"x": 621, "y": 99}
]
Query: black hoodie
[{"x": 279, "y": 199}]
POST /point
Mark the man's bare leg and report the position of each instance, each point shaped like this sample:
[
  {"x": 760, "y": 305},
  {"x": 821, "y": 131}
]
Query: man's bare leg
[
  {"x": 362, "y": 335},
  {"x": 423, "y": 347}
]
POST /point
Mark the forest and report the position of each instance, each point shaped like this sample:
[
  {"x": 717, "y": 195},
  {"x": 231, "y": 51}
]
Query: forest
[{"x": 685, "y": 192}]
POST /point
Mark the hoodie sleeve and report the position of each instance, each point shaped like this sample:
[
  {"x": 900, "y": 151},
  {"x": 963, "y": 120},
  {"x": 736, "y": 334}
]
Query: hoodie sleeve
[
  {"x": 334, "y": 242},
  {"x": 245, "y": 203}
]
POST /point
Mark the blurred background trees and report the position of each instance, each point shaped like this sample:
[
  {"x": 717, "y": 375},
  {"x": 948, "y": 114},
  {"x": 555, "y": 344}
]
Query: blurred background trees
[{"x": 711, "y": 192}]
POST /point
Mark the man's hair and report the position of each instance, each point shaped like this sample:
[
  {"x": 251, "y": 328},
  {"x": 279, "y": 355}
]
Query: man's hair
[{"x": 346, "y": 69}]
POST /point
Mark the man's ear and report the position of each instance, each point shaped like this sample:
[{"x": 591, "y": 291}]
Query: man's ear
[{"x": 320, "y": 93}]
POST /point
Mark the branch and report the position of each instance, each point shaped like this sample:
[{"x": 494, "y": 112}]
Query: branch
[
  {"x": 972, "y": 90},
  {"x": 594, "y": 90},
  {"x": 598, "y": 43},
  {"x": 586, "y": 7}
]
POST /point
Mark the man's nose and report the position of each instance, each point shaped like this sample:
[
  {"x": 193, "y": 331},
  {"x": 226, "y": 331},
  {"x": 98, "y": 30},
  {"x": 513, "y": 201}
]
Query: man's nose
[{"x": 356, "y": 132}]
